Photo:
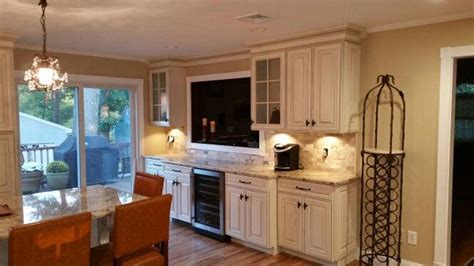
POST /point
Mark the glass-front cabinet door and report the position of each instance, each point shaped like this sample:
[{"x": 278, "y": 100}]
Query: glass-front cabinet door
[
  {"x": 159, "y": 98},
  {"x": 268, "y": 91}
]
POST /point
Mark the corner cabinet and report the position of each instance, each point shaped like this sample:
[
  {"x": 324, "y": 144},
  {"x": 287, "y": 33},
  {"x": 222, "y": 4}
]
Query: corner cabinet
[
  {"x": 268, "y": 91},
  {"x": 168, "y": 97},
  {"x": 323, "y": 88}
]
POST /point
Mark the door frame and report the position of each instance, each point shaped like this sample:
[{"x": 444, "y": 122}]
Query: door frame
[
  {"x": 136, "y": 102},
  {"x": 444, "y": 184}
]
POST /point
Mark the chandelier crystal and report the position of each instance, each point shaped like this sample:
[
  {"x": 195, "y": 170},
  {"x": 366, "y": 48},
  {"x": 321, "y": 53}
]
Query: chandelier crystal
[{"x": 45, "y": 74}]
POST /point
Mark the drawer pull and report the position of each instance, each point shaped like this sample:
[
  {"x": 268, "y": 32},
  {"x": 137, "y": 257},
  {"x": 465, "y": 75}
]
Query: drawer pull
[
  {"x": 241, "y": 196},
  {"x": 246, "y": 197},
  {"x": 245, "y": 182},
  {"x": 176, "y": 170},
  {"x": 305, "y": 206},
  {"x": 302, "y": 188},
  {"x": 299, "y": 204}
]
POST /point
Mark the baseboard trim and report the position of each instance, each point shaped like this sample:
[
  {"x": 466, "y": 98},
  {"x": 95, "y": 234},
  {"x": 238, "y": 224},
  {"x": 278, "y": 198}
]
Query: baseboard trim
[{"x": 271, "y": 251}]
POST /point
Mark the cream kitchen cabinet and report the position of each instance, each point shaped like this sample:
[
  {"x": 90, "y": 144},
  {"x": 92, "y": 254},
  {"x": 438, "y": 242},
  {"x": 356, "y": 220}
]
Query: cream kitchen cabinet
[
  {"x": 10, "y": 180},
  {"x": 317, "y": 220},
  {"x": 323, "y": 88},
  {"x": 178, "y": 183},
  {"x": 268, "y": 91},
  {"x": 168, "y": 97},
  {"x": 249, "y": 210}
]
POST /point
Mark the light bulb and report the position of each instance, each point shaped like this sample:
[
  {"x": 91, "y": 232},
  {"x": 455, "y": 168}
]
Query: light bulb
[{"x": 45, "y": 76}]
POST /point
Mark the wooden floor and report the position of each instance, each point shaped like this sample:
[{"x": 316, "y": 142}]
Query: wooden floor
[{"x": 189, "y": 248}]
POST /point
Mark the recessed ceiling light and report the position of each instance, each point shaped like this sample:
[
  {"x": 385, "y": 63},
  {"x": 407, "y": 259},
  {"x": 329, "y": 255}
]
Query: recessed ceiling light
[
  {"x": 170, "y": 46},
  {"x": 253, "y": 18},
  {"x": 258, "y": 29}
]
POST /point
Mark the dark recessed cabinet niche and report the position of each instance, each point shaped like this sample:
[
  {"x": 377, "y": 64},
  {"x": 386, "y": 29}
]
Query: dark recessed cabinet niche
[{"x": 220, "y": 113}]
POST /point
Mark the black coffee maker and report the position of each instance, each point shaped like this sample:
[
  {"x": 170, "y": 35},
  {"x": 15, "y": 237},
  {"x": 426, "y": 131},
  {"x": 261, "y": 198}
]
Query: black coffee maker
[{"x": 286, "y": 157}]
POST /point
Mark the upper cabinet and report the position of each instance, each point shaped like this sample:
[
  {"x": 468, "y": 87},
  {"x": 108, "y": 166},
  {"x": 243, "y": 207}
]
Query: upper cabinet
[
  {"x": 322, "y": 83},
  {"x": 268, "y": 91},
  {"x": 168, "y": 97}
]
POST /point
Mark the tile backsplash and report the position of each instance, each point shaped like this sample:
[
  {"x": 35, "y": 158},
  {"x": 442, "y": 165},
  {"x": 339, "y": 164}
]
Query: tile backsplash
[{"x": 341, "y": 150}]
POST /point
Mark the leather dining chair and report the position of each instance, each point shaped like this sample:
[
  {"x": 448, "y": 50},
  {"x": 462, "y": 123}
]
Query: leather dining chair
[
  {"x": 141, "y": 234},
  {"x": 60, "y": 241},
  {"x": 148, "y": 185}
]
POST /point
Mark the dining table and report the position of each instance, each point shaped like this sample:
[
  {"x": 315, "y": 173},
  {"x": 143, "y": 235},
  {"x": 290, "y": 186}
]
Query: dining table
[{"x": 100, "y": 200}]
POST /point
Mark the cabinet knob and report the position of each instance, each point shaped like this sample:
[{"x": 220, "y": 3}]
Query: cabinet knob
[
  {"x": 307, "y": 122},
  {"x": 313, "y": 123},
  {"x": 299, "y": 204},
  {"x": 305, "y": 206},
  {"x": 241, "y": 196},
  {"x": 246, "y": 197}
]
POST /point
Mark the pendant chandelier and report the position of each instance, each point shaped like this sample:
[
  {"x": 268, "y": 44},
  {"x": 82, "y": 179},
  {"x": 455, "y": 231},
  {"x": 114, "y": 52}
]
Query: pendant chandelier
[{"x": 45, "y": 74}]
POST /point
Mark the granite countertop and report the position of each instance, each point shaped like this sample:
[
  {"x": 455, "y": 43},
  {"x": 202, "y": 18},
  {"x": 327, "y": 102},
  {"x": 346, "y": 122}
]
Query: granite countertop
[
  {"x": 97, "y": 199},
  {"x": 255, "y": 170}
]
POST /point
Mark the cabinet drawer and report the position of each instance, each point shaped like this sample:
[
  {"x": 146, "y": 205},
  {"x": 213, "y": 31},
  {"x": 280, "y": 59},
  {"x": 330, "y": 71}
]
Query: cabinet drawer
[
  {"x": 153, "y": 163},
  {"x": 306, "y": 188},
  {"x": 246, "y": 182},
  {"x": 177, "y": 169}
]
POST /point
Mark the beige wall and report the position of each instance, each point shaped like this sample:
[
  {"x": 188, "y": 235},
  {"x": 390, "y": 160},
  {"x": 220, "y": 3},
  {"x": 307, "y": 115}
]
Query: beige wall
[
  {"x": 412, "y": 55},
  {"x": 98, "y": 66}
]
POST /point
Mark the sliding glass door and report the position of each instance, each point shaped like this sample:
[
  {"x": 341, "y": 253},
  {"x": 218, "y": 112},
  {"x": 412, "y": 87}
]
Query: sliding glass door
[
  {"x": 77, "y": 136},
  {"x": 108, "y": 138}
]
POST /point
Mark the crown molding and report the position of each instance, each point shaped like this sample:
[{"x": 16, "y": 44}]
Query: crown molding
[
  {"x": 76, "y": 52},
  {"x": 420, "y": 22},
  {"x": 201, "y": 60},
  {"x": 7, "y": 40}
]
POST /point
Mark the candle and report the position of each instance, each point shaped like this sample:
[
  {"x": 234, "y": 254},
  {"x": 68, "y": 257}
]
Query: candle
[
  {"x": 213, "y": 126},
  {"x": 204, "y": 122}
]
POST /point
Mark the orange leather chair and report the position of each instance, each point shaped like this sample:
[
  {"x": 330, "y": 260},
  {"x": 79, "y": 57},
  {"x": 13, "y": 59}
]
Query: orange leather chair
[
  {"x": 139, "y": 228},
  {"x": 61, "y": 241},
  {"x": 148, "y": 185}
]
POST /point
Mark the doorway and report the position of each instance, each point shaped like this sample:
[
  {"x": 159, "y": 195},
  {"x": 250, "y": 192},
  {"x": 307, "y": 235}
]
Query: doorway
[
  {"x": 90, "y": 128},
  {"x": 462, "y": 218}
]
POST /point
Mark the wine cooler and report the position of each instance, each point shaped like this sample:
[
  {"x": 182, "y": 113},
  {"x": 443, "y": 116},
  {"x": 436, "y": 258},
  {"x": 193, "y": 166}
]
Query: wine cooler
[{"x": 208, "y": 205}]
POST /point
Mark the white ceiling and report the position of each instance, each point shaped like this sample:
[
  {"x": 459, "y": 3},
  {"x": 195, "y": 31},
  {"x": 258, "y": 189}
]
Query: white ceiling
[{"x": 142, "y": 28}]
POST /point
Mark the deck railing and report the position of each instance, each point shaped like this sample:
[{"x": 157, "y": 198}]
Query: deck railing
[{"x": 40, "y": 153}]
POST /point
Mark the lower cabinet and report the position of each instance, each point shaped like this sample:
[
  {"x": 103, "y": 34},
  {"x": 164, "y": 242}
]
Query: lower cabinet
[
  {"x": 317, "y": 220},
  {"x": 178, "y": 183},
  {"x": 248, "y": 210}
]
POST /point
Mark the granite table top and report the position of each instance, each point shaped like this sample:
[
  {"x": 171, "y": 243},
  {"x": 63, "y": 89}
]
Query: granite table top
[
  {"x": 97, "y": 199},
  {"x": 256, "y": 170}
]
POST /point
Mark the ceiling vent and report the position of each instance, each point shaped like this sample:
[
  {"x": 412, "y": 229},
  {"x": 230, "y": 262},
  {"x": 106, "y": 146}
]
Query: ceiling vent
[{"x": 253, "y": 18}]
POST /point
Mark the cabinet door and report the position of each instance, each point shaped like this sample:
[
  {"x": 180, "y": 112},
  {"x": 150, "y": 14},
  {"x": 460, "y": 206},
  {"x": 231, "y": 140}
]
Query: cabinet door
[
  {"x": 257, "y": 213},
  {"x": 235, "y": 212},
  {"x": 8, "y": 172},
  {"x": 268, "y": 91},
  {"x": 7, "y": 92},
  {"x": 290, "y": 221},
  {"x": 184, "y": 195},
  {"x": 159, "y": 97},
  {"x": 299, "y": 85},
  {"x": 317, "y": 224},
  {"x": 170, "y": 188},
  {"x": 326, "y": 82}
]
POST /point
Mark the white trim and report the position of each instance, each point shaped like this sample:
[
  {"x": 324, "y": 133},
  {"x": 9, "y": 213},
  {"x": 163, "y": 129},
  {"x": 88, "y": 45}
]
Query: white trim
[
  {"x": 445, "y": 151},
  {"x": 83, "y": 81},
  {"x": 200, "y": 60},
  {"x": 83, "y": 53},
  {"x": 231, "y": 75},
  {"x": 420, "y": 22}
]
